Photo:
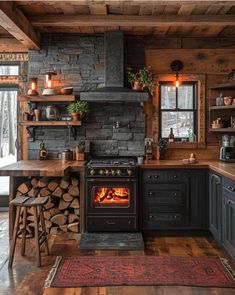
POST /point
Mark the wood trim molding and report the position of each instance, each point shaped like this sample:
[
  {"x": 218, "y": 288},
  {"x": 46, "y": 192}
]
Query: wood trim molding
[
  {"x": 15, "y": 23},
  {"x": 11, "y": 45},
  {"x": 201, "y": 108}
]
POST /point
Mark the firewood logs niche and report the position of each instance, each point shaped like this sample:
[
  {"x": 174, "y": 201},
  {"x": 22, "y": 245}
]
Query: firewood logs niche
[{"x": 62, "y": 210}]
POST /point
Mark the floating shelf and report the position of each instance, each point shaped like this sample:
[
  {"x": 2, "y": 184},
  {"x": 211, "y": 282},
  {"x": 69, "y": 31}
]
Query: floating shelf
[
  {"x": 50, "y": 123},
  {"x": 230, "y": 85},
  {"x": 222, "y": 130},
  {"x": 49, "y": 98},
  {"x": 229, "y": 107}
]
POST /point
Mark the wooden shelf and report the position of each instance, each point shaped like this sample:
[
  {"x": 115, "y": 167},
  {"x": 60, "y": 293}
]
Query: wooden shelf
[
  {"x": 230, "y": 85},
  {"x": 50, "y": 123},
  {"x": 229, "y": 107},
  {"x": 49, "y": 98},
  {"x": 222, "y": 130}
]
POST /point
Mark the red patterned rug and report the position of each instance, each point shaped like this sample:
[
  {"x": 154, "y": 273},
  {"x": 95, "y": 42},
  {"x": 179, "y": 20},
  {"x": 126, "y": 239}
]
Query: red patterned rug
[{"x": 89, "y": 271}]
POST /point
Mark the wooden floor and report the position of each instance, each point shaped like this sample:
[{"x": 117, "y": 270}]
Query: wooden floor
[{"x": 26, "y": 279}]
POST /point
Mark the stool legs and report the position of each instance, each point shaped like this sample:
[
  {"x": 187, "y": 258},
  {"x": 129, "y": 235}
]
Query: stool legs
[
  {"x": 13, "y": 242},
  {"x": 44, "y": 229},
  {"x": 37, "y": 245},
  {"x": 24, "y": 231}
]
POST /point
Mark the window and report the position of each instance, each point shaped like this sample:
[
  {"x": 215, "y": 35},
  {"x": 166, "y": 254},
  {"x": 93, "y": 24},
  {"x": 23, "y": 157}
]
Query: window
[
  {"x": 177, "y": 109},
  {"x": 9, "y": 70}
]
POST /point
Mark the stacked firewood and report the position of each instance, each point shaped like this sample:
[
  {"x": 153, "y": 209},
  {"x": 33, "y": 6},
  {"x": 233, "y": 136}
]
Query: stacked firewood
[{"x": 61, "y": 212}]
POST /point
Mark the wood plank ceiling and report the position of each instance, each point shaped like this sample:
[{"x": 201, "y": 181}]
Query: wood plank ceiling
[{"x": 160, "y": 18}]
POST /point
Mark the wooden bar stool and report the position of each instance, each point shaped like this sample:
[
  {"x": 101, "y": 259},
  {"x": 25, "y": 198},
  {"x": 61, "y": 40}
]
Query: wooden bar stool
[{"x": 40, "y": 238}]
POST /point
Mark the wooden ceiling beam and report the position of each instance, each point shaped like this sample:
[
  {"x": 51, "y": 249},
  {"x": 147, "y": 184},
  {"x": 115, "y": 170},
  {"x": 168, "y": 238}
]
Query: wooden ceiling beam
[
  {"x": 11, "y": 45},
  {"x": 133, "y": 2},
  {"x": 15, "y": 23},
  {"x": 132, "y": 20}
]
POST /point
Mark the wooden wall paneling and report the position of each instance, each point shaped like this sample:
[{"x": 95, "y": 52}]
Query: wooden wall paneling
[{"x": 196, "y": 61}]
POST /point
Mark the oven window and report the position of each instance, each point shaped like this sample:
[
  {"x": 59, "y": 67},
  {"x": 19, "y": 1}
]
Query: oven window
[{"x": 111, "y": 196}]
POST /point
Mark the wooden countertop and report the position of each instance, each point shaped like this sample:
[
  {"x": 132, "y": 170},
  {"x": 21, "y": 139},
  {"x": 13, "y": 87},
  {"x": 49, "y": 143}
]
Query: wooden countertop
[
  {"x": 59, "y": 168},
  {"x": 224, "y": 168},
  {"x": 41, "y": 168}
]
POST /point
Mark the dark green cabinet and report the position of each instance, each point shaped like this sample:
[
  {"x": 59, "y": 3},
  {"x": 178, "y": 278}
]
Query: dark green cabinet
[
  {"x": 215, "y": 205},
  {"x": 228, "y": 216},
  {"x": 173, "y": 199}
]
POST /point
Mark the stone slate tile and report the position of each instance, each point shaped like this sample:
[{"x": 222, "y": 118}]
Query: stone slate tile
[{"x": 122, "y": 136}]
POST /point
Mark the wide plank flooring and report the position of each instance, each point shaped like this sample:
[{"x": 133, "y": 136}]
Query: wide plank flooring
[{"x": 27, "y": 279}]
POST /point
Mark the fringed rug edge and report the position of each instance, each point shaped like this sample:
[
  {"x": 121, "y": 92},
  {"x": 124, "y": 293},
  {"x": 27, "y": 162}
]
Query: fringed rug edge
[
  {"x": 52, "y": 272},
  {"x": 228, "y": 267}
]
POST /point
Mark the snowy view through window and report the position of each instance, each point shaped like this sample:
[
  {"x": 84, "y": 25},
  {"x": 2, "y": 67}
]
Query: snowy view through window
[{"x": 178, "y": 111}]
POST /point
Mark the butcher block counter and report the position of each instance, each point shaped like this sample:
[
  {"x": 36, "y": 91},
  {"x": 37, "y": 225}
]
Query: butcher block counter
[
  {"x": 223, "y": 168},
  {"x": 42, "y": 168},
  {"x": 26, "y": 170}
]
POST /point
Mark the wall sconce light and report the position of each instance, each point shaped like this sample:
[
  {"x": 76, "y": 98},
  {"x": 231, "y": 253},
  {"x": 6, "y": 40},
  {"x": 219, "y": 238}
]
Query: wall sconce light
[
  {"x": 33, "y": 87},
  {"x": 48, "y": 90},
  {"x": 176, "y": 66}
]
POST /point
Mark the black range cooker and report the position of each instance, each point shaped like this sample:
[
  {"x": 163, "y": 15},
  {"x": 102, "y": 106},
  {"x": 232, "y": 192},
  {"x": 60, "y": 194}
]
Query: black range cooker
[{"x": 111, "y": 195}]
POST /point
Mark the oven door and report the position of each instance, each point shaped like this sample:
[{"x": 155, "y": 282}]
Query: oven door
[{"x": 116, "y": 196}]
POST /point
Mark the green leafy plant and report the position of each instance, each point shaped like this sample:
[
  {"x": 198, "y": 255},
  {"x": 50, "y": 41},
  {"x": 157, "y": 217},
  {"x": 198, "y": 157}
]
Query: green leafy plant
[
  {"x": 79, "y": 107},
  {"x": 144, "y": 76}
]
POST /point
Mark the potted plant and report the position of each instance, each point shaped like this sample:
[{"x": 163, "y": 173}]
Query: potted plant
[
  {"x": 143, "y": 79},
  {"x": 78, "y": 110},
  {"x": 162, "y": 144}
]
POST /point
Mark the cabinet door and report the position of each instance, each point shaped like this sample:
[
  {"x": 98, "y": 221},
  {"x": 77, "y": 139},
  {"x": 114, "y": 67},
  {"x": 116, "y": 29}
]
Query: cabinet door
[
  {"x": 215, "y": 205},
  {"x": 198, "y": 198},
  {"x": 228, "y": 223}
]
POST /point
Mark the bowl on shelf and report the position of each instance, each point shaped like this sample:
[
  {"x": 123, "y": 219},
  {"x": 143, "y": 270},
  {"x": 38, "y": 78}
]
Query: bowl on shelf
[
  {"x": 214, "y": 125},
  {"x": 66, "y": 90}
]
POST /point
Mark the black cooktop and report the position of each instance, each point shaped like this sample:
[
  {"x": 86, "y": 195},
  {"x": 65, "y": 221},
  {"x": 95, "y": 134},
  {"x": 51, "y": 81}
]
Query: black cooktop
[{"x": 112, "y": 162}]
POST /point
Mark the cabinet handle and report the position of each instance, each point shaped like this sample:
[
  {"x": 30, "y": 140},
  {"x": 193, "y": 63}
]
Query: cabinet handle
[
  {"x": 175, "y": 176},
  {"x": 175, "y": 194},
  {"x": 151, "y": 193},
  {"x": 230, "y": 202},
  {"x": 150, "y": 216},
  {"x": 110, "y": 222},
  {"x": 149, "y": 176},
  {"x": 156, "y": 176},
  {"x": 175, "y": 216}
]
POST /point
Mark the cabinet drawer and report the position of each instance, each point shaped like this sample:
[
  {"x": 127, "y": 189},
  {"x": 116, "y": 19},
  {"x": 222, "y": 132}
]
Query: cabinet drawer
[
  {"x": 165, "y": 193},
  {"x": 114, "y": 223},
  {"x": 165, "y": 220},
  {"x": 229, "y": 186},
  {"x": 177, "y": 175},
  {"x": 154, "y": 176}
]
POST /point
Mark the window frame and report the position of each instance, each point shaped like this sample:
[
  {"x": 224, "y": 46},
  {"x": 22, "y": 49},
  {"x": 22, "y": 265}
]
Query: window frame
[
  {"x": 177, "y": 110},
  {"x": 152, "y": 120}
]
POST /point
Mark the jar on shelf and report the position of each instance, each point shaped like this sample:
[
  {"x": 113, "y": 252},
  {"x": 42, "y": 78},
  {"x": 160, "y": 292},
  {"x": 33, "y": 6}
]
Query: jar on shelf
[{"x": 219, "y": 100}]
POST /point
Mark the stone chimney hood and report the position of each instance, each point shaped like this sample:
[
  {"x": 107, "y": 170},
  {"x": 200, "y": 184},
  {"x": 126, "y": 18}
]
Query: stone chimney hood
[{"x": 114, "y": 89}]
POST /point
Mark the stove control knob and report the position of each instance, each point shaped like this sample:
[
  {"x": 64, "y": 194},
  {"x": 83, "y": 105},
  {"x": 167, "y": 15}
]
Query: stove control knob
[
  {"x": 101, "y": 172},
  {"x": 106, "y": 172},
  {"x": 92, "y": 172},
  {"x": 113, "y": 172},
  {"x": 118, "y": 172},
  {"x": 129, "y": 172}
]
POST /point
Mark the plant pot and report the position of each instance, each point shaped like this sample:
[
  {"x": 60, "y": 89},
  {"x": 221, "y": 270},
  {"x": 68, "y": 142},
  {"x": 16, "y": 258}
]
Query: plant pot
[
  {"x": 75, "y": 117},
  {"x": 136, "y": 85}
]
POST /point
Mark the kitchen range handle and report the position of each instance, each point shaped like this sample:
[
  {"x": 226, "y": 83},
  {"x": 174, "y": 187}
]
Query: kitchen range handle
[{"x": 112, "y": 179}]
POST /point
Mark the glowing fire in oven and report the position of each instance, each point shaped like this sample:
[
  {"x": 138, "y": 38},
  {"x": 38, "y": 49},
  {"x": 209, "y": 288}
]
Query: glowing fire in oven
[{"x": 112, "y": 195}]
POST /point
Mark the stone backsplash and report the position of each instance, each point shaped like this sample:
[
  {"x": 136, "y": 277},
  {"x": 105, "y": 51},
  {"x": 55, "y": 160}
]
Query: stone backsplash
[{"x": 79, "y": 62}]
